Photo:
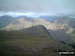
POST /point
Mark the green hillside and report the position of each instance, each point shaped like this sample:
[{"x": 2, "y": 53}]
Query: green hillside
[{"x": 34, "y": 41}]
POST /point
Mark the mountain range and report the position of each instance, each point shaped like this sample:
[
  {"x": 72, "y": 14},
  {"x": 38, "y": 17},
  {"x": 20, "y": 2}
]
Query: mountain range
[{"x": 28, "y": 36}]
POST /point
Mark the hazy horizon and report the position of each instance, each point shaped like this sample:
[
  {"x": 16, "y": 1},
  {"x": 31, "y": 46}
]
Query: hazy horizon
[{"x": 52, "y": 7}]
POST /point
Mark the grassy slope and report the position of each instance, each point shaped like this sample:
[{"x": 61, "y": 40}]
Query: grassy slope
[{"x": 34, "y": 41}]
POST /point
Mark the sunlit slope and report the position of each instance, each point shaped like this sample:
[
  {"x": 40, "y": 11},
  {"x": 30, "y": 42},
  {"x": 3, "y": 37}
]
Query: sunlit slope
[{"x": 6, "y": 20}]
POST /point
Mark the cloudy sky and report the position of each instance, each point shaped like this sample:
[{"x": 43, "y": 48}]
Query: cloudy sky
[{"x": 39, "y": 6}]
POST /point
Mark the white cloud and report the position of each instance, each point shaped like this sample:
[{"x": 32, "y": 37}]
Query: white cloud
[{"x": 30, "y": 14}]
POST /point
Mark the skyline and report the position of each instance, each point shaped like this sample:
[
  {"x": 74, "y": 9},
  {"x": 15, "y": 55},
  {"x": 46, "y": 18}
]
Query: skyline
[{"x": 32, "y": 14}]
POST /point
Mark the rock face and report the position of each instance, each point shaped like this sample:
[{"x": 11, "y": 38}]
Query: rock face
[
  {"x": 22, "y": 23},
  {"x": 18, "y": 24},
  {"x": 35, "y": 40}
]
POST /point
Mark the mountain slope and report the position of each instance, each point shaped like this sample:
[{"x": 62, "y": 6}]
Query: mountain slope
[
  {"x": 24, "y": 23},
  {"x": 29, "y": 42},
  {"x": 50, "y": 18},
  {"x": 65, "y": 27},
  {"x": 5, "y": 20}
]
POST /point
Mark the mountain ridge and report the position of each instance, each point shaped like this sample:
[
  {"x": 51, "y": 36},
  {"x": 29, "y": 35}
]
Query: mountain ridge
[{"x": 29, "y": 42}]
